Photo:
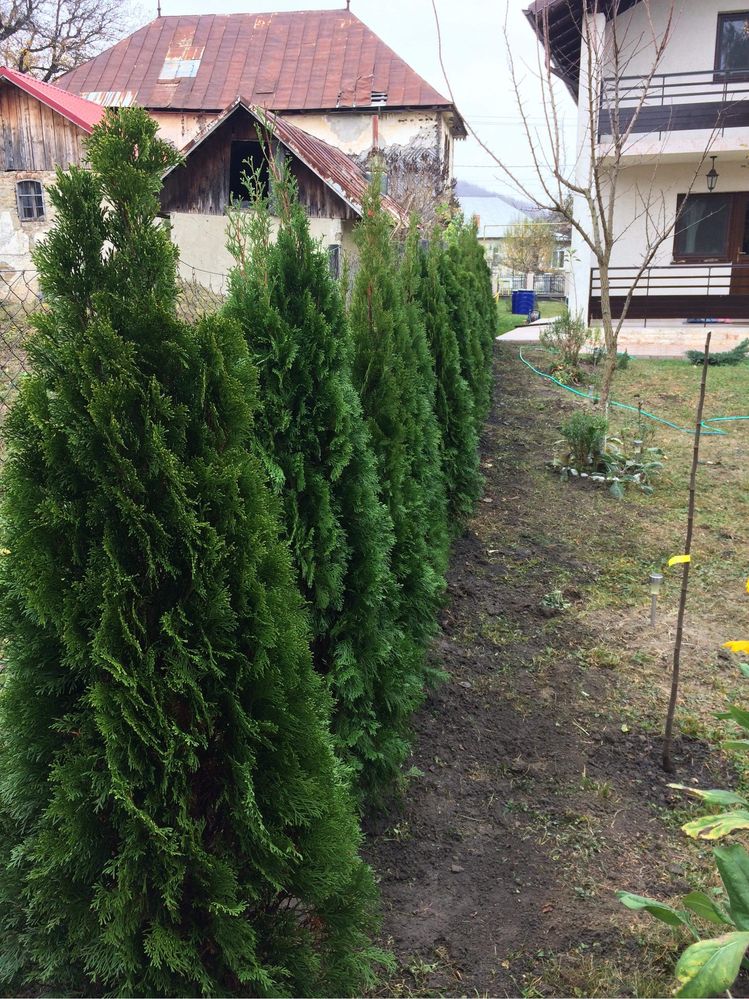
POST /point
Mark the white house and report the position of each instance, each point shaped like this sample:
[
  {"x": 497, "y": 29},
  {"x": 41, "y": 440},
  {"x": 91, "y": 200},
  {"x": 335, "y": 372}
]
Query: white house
[{"x": 694, "y": 107}]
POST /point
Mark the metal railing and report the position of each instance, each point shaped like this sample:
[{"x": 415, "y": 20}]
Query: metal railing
[
  {"x": 673, "y": 101},
  {"x": 677, "y": 291}
]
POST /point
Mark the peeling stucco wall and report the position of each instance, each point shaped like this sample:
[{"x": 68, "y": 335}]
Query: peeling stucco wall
[{"x": 17, "y": 238}]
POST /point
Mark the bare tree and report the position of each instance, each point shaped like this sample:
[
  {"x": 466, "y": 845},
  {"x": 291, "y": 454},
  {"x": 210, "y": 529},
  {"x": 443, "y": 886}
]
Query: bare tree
[
  {"x": 618, "y": 64},
  {"x": 528, "y": 246},
  {"x": 49, "y": 37}
]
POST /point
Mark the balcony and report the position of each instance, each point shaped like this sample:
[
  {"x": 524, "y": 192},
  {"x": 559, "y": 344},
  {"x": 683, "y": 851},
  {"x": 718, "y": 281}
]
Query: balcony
[
  {"x": 673, "y": 102},
  {"x": 681, "y": 292}
]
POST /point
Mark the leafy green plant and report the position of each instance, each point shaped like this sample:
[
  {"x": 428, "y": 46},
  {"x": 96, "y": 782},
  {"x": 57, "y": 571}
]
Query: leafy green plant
[
  {"x": 590, "y": 452},
  {"x": 585, "y": 434},
  {"x": 724, "y": 358},
  {"x": 711, "y": 964},
  {"x": 565, "y": 336}
]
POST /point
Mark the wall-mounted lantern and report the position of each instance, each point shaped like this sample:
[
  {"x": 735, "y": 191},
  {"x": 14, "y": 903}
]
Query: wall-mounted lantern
[{"x": 712, "y": 176}]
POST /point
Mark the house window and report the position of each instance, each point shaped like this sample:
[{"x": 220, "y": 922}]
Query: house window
[
  {"x": 247, "y": 157},
  {"x": 30, "y": 198},
  {"x": 334, "y": 260},
  {"x": 732, "y": 51},
  {"x": 702, "y": 231}
]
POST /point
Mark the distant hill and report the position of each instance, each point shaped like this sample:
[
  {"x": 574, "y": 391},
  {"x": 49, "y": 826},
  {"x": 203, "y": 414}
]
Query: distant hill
[{"x": 465, "y": 189}]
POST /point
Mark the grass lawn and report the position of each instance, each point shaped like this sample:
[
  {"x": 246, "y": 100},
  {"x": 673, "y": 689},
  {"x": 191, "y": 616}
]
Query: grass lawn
[{"x": 506, "y": 321}]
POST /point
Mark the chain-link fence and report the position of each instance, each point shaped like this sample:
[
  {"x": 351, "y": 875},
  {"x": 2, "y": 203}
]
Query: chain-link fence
[{"x": 20, "y": 298}]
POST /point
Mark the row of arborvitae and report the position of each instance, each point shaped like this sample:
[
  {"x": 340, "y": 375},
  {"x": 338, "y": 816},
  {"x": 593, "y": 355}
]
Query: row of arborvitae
[{"x": 175, "y": 816}]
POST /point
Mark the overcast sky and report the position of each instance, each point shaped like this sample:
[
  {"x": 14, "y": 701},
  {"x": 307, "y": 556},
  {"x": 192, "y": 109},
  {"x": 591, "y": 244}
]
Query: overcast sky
[{"x": 475, "y": 59}]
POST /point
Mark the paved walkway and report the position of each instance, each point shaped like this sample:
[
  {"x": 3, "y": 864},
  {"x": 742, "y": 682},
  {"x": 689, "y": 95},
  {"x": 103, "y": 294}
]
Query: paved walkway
[{"x": 652, "y": 342}]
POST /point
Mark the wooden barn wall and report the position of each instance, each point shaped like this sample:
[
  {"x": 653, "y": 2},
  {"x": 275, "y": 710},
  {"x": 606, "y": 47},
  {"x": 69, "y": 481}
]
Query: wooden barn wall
[
  {"x": 202, "y": 184},
  {"x": 34, "y": 136}
]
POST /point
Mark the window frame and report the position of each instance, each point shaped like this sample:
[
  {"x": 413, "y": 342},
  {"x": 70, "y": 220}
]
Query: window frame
[
  {"x": 39, "y": 193},
  {"x": 723, "y": 75},
  {"x": 701, "y": 258}
]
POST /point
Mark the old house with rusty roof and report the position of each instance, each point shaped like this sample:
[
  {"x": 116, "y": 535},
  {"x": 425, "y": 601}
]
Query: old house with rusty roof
[
  {"x": 323, "y": 71},
  {"x": 197, "y": 193},
  {"x": 43, "y": 127}
]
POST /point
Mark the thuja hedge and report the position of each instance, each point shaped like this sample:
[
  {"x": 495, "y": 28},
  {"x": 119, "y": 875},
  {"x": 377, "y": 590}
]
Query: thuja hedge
[
  {"x": 176, "y": 817},
  {"x": 173, "y": 819},
  {"x": 318, "y": 449}
]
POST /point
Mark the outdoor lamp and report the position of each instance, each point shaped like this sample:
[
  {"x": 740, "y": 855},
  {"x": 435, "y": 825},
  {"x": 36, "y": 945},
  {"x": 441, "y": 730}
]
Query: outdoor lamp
[
  {"x": 712, "y": 176},
  {"x": 656, "y": 578}
]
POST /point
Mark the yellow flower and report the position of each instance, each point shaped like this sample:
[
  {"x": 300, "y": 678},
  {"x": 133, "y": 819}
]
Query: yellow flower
[{"x": 737, "y": 646}]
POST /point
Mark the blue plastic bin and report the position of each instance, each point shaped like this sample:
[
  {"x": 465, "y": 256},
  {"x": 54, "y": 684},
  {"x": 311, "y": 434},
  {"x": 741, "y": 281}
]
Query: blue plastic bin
[{"x": 523, "y": 303}]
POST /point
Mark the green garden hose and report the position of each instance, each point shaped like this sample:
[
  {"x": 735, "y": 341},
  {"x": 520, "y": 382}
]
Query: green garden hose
[{"x": 706, "y": 424}]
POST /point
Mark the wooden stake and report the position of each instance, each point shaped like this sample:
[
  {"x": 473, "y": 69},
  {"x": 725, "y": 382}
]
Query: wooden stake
[{"x": 668, "y": 764}]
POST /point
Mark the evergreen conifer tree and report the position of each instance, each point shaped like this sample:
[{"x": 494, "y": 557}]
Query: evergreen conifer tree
[
  {"x": 390, "y": 356},
  {"x": 173, "y": 820},
  {"x": 453, "y": 399},
  {"x": 317, "y": 449},
  {"x": 462, "y": 298},
  {"x": 475, "y": 260}
]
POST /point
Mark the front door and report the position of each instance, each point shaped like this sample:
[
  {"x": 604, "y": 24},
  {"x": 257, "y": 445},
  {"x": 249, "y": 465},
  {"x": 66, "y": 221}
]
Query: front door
[{"x": 739, "y": 245}]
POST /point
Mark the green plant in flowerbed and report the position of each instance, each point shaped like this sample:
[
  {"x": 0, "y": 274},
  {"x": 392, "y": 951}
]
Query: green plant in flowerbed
[
  {"x": 711, "y": 964},
  {"x": 565, "y": 337},
  {"x": 587, "y": 451}
]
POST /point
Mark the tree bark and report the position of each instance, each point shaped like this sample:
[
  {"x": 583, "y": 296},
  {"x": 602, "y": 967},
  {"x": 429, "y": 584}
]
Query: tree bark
[{"x": 668, "y": 764}]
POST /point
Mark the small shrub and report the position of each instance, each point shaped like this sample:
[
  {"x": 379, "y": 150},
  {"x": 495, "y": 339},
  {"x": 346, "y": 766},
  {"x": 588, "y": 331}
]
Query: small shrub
[
  {"x": 566, "y": 337},
  {"x": 722, "y": 359},
  {"x": 585, "y": 433}
]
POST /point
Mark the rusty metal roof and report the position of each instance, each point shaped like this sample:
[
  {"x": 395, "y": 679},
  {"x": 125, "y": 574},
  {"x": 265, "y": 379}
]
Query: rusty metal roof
[
  {"x": 82, "y": 113},
  {"x": 330, "y": 164},
  {"x": 295, "y": 61}
]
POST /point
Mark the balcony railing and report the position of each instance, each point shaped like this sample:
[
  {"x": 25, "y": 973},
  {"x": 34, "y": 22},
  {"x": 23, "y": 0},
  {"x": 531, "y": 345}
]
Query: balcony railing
[
  {"x": 703, "y": 99},
  {"x": 677, "y": 291}
]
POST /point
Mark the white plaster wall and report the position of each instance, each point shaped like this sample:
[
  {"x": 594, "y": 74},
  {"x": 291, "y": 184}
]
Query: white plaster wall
[
  {"x": 691, "y": 49},
  {"x": 353, "y": 132},
  {"x": 693, "y": 36},
  {"x": 201, "y": 240},
  {"x": 670, "y": 180},
  {"x": 180, "y": 128}
]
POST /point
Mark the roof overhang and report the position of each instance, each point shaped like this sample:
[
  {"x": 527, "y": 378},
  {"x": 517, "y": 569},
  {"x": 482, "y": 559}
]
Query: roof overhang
[
  {"x": 557, "y": 23},
  {"x": 85, "y": 114},
  {"x": 330, "y": 164}
]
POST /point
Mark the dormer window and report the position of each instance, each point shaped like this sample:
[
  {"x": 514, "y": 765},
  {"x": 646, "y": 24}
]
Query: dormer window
[
  {"x": 30, "y": 200},
  {"x": 732, "y": 51}
]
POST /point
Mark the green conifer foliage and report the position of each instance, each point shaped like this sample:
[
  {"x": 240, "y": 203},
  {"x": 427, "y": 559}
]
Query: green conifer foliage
[
  {"x": 453, "y": 398},
  {"x": 317, "y": 449},
  {"x": 390, "y": 358},
  {"x": 475, "y": 259},
  {"x": 462, "y": 298},
  {"x": 173, "y": 820}
]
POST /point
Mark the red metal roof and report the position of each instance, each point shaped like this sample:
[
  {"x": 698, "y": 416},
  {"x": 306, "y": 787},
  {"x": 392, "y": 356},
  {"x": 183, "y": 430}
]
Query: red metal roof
[
  {"x": 81, "y": 112},
  {"x": 330, "y": 164},
  {"x": 292, "y": 61}
]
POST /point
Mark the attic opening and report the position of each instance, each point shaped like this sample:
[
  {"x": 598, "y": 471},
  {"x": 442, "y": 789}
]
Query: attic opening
[{"x": 247, "y": 156}]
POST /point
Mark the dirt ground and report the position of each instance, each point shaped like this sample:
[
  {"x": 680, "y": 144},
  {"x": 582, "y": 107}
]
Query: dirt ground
[{"x": 537, "y": 790}]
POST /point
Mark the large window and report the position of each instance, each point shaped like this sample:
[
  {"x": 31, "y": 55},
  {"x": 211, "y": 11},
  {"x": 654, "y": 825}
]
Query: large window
[
  {"x": 30, "y": 199},
  {"x": 732, "y": 51},
  {"x": 704, "y": 227}
]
